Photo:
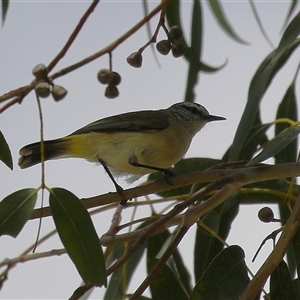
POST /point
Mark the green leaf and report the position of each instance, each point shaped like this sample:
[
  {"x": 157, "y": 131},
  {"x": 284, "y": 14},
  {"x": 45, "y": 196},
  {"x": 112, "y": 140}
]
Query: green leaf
[
  {"x": 287, "y": 109},
  {"x": 5, "y": 4},
  {"x": 261, "y": 81},
  {"x": 120, "y": 279},
  {"x": 167, "y": 284},
  {"x": 221, "y": 18},
  {"x": 280, "y": 142},
  {"x": 78, "y": 235},
  {"x": 206, "y": 245},
  {"x": 291, "y": 11},
  {"x": 5, "y": 154},
  {"x": 281, "y": 285},
  {"x": 195, "y": 52},
  {"x": 15, "y": 210},
  {"x": 225, "y": 278}
]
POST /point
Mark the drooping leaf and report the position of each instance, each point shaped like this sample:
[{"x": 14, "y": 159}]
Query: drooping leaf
[
  {"x": 120, "y": 279},
  {"x": 195, "y": 52},
  {"x": 167, "y": 284},
  {"x": 78, "y": 235},
  {"x": 281, "y": 285},
  {"x": 219, "y": 14},
  {"x": 217, "y": 281},
  {"x": 287, "y": 109},
  {"x": 261, "y": 81},
  {"x": 206, "y": 245},
  {"x": 280, "y": 141},
  {"x": 290, "y": 12},
  {"x": 15, "y": 210},
  {"x": 5, "y": 4},
  {"x": 5, "y": 154},
  {"x": 259, "y": 23}
]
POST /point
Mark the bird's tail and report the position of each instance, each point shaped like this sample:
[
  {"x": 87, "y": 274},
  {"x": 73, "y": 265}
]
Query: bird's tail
[{"x": 31, "y": 154}]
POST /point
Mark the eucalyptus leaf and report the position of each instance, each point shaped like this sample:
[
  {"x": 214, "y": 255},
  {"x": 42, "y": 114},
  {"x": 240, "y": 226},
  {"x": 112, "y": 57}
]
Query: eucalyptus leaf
[
  {"x": 217, "y": 281},
  {"x": 78, "y": 235},
  {"x": 15, "y": 210},
  {"x": 261, "y": 81},
  {"x": 281, "y": 285},
  {"x": 219, "y": 14},
  {"x": 280, "y": 142},
  {"x": 5, "y": 154}
]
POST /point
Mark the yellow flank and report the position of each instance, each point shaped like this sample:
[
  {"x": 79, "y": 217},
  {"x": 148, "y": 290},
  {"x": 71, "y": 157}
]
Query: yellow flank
[{"x": 115, "y": 149}]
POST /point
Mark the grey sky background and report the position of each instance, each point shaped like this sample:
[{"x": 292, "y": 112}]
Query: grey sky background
[{"x": 35, "y": 31}]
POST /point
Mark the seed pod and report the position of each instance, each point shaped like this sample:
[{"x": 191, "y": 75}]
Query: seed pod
[
  {"x": 135, "y": 59},
  {"x": 175, "y": 33},
  {"x": 43, "y": 89},
  {"x": 178, "y": 49},
  {"x": 116, "y": 78},
  {"x": 58, "y": 92},
  {"x": 40, "y": 72},
  {"x": 164, "y": 47},
  {"x": 111, "y": 92},
  {"x": 105, "y": 76},
  {"x": 266, "y": 215}
]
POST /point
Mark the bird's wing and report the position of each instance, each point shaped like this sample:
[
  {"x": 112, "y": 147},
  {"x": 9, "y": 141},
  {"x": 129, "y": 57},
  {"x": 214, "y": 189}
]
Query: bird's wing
[{"x": 134, "y": 121}]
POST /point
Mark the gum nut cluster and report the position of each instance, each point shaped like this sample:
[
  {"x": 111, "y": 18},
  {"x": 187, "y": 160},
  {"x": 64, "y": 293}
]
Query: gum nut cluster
[
  {"x": 43, "y": 88},
  {"x": 172, "y": 43},
  {"x": 112, "y": 79}
]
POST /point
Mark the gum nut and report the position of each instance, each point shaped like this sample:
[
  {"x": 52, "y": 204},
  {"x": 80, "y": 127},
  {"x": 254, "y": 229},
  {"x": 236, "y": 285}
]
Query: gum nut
[
  {"x": 178, "y": 49},
  {"x": 105, "y": 76},
  {"x": 175, "y": 33},
  {"x": 58, "y": 92},
  {"x": 116, "y": 78},
  {"x": 135, "y": 59},
  {"x": 164, "y": 47},
  {"x": 111, "y": 92},
  {"x": 40, "y": 71},
  {"x": 266, "y": 214},
  {"x": 43, "y": 89}
]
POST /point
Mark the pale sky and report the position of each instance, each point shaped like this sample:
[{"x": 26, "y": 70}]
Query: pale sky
[{"x": 35, "y": 31}]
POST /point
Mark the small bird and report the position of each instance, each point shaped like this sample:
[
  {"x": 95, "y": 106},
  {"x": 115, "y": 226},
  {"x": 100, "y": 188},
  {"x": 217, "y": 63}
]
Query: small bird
[{"x": 131, "y": 144}]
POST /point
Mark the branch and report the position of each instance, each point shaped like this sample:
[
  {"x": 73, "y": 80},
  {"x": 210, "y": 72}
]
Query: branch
[
  {"x": 256, "y": 284},
  {"x": 249, "y": 174}
]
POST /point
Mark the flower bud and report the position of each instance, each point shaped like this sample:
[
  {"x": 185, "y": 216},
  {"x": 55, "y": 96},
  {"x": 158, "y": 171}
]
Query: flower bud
[
  {"x": 42, "y": 89},
  {"x": 178, "y": 49},
  {"x": 266, "y": 215},
  {"x": 135, "y": 59},
  {"x": 116, "y": 78},
  {"x": 40, "y": 72},
  {"x": 175, "y": 33},
  {"x": 164, "y": 47},
  {"x": 111, "y": 92},
  {"x": 58, "y": 92},
  {"x": 105, "y": 76}
]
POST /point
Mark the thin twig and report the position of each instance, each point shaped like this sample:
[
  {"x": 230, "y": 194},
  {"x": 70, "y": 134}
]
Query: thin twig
[
  {"x": 72, "y": 37},
  {"x": 114, "y": 44}
]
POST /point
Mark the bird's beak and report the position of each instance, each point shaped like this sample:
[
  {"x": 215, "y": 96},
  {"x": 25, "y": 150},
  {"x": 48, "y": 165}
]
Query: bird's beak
[{"x": 211, "y": 118}]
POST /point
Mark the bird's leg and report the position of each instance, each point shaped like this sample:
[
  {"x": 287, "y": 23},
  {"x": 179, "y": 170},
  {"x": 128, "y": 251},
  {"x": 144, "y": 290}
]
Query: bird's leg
[
  {"x": 119, "y": 189},
  {"x": 133, "y": 161}
]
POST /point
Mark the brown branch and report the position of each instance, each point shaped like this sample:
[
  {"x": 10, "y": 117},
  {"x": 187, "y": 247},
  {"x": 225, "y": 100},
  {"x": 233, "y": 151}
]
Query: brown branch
[
  {"x": 251, "y": 174},
  {"x": 114, "y": 44},
  {"x": 257, "y": 283},
  {"x": 72, "y": 37}
]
